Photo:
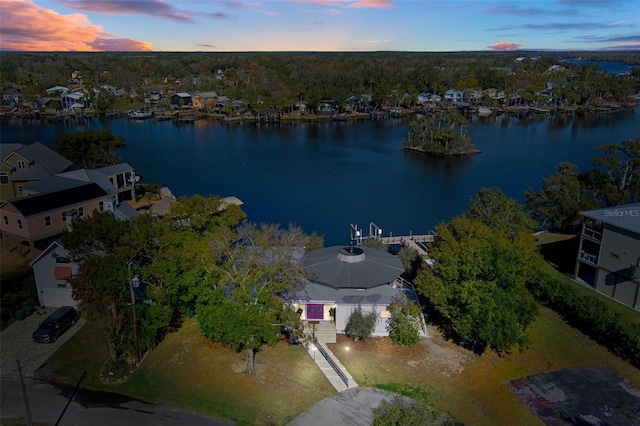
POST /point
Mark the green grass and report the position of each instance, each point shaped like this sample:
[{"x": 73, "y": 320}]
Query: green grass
[{"x": 188, "y": 371}]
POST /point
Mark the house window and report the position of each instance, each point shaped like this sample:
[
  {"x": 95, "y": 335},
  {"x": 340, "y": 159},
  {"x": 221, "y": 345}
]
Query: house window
[
  {"x": 62, "y": 285},
  {"x": 4, "y": 179},
  {"x": 64, "y": 216},
  {"x": 47, "y": 221},
  {"x": 5, "y": 220},
  {"x": 80, "y": 211},
  {"x": 19, "y": 224},
  {"x": 385, "y": 314},
  {"x": 22, "y": 164},
  {"x": 614, "y": 255},
  {"x": 101, "y": 206},
  {"x": 20, "y": 188}
]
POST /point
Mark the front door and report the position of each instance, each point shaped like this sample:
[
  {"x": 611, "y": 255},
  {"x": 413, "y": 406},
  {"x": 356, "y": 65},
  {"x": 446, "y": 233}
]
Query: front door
[{"x": 315, "y": 311}]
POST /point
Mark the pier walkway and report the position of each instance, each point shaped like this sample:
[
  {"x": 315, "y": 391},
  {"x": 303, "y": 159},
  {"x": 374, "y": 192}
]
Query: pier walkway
[{"x": 411, "y": 241}]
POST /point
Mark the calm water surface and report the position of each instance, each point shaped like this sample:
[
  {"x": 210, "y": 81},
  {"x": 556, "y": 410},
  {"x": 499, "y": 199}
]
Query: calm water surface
[{"x": 326, "y": 176}]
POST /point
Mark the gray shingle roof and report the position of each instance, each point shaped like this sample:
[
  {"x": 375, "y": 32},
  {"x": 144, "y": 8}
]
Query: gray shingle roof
[
  {"x": 115, "y": 169},
  {"x": 44, "y": 161},
  {"x": 352, "y": 267}
]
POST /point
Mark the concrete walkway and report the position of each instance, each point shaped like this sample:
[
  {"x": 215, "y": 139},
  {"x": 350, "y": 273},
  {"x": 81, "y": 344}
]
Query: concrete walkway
[{"x": 327, "y": 369}]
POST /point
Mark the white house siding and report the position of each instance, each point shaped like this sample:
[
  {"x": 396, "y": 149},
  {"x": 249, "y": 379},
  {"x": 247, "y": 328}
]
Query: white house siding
[
  {"x": 343, "y": 312},
  {"x": 52, "y": 292}
]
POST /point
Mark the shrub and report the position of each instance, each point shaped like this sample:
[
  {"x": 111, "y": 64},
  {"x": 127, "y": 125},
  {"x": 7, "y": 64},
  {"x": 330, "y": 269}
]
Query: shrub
[
  {"x": 361, "y": 324},
  {"x": 403, "y": 412},
  {"x": 405, "y": 323},
  {"x": 590, "y": 316}
]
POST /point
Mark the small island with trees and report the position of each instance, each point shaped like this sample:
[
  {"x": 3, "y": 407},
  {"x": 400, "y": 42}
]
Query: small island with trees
[{"x": 438, "y": 135}]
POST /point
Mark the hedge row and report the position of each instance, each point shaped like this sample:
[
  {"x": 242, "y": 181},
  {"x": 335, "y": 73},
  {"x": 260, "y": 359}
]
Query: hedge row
[{"x": 591, "y": 316}]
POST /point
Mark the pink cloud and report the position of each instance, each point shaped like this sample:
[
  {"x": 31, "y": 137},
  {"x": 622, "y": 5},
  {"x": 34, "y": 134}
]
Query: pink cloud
[
  {"x": 351, "y": 3},
  {"x": 504, "y": 46},
  {"x": 159, "y": 8},
  {"x": 372, "y": 3},
  {"x": 28, "y": 27}
]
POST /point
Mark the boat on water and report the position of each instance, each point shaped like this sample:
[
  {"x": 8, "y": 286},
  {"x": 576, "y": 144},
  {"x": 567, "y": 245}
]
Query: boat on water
[
  {"x": 139, "y": 114},
  {"x": 484, "y": 111}
]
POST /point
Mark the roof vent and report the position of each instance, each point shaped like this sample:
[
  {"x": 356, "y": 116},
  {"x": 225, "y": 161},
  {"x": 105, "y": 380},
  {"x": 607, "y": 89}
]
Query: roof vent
[{"x": 350, "y": 255}]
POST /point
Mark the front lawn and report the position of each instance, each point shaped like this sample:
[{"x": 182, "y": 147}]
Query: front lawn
[
  {"x": 471, "y": 388},
  {"x": 188, "y": 371}
]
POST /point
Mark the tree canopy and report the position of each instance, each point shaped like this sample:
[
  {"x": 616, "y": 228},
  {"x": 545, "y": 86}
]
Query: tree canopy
[
  {"x": 615, "y": 180},
  {"x": 90, "y": 149},
  {"x": 437, "y": 135},
  {"x": 477, "y": 283},
  {"x": 257, "y": 272}
]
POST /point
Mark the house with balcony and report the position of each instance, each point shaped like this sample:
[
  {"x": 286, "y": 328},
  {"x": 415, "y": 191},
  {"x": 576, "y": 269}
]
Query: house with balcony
[
  {"x": 608, "y": 257},
  {"x": 22, "y": 165}
]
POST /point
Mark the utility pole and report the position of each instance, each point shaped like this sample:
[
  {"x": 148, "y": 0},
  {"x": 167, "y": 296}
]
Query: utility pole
[
  {"x": 133, "y": 310},
  {"x": 24, "y": 395}
]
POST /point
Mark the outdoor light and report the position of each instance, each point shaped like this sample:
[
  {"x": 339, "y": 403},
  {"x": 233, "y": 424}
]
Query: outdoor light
[
  {"x": 346, "y": 351},
  {"x": 313, "y": 348}
]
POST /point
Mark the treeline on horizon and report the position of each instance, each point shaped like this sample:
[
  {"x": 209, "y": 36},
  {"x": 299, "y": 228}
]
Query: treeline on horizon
[{"x": 277, "y": 79}]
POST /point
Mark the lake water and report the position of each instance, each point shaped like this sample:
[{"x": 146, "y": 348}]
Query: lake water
[{"x": 325, "y": 176}]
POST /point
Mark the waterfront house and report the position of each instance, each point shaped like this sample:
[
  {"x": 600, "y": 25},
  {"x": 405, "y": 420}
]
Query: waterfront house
[
  {"x": 41, "y": 216},
  {"x": 72, "y": 100},
  {"x": 118, "y": 180},
  {"x": 21, "y": 165},
  {"x": 327, "y": 107},
  {"x": 205, "y": 100},
  {"x": 181, "y": 100},
  {"x": 453, "y": 95},
  {"x": 609, "y": 253},
  {"x": 339, "y": 280}
]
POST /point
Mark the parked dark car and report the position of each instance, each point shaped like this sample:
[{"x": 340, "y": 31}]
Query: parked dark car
[{"x": 55, "y": 325}]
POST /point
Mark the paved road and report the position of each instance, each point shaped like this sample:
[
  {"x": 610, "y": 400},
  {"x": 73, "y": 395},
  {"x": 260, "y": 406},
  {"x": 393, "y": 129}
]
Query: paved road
[
  {"x": 353, "y": 407},
  {"x": 47, "y": 403}
]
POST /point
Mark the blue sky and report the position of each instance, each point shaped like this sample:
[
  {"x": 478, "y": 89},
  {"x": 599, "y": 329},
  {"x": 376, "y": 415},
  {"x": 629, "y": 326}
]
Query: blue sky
[{"x": 318, "y": 25}]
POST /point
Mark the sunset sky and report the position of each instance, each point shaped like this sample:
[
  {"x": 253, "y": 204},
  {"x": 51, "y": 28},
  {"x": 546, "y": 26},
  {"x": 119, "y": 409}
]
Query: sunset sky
[{"x": 318, "y": 25}]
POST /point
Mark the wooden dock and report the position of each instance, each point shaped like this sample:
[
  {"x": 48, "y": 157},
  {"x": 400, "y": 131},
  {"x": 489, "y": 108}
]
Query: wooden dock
[{"x": 410, "y": 241}]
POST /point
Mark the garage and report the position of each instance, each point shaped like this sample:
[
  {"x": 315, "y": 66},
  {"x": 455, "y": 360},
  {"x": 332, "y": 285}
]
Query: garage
[{"x": 56, "y": 297}]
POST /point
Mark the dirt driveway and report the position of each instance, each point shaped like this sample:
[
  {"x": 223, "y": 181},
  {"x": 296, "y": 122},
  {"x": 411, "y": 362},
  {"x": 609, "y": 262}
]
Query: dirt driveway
[{"x": 16, "y": 344}]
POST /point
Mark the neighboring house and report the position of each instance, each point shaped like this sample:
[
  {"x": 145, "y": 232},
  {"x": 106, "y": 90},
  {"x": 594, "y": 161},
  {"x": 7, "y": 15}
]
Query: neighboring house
[
  {"x": 205, "y": 100},
  {"x": 51, "y": 269},
  {"x": 452, "y": 95},
  {"x": 609, "y": 253},
  {"x": 341, "y": 279},
  {"x": 37, "y": 217},
  {"x": 21, "y": 165},
  {"x": 181, "y": 100},
  {"x": 73, "y": 100},
  {"x": 327, "y": 107},
  {"x": 123, "y": 178},
  {"x": 301, "y": 106},
  {"x": 118, "y": 181}
]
